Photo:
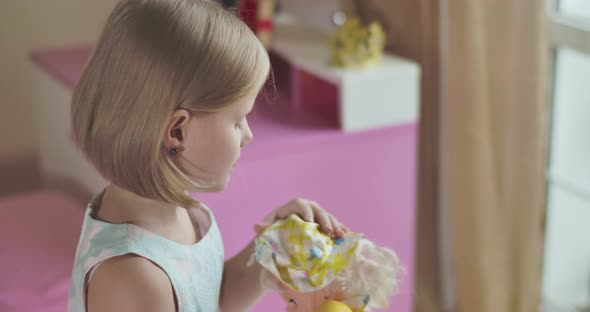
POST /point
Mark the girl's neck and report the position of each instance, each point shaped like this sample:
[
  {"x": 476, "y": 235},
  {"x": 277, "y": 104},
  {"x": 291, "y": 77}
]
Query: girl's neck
[
  {"x": 121, "y": 206},
  {"x": 172, "y": 222}
]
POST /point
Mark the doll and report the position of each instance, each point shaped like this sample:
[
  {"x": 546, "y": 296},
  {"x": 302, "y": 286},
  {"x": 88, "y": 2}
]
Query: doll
[{"x": 314, "y": 272}]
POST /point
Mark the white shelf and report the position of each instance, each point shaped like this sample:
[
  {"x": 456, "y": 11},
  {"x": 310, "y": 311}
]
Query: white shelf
[
  {"x": 308, "y": 49},
  {"x": 383, "y": 95}
]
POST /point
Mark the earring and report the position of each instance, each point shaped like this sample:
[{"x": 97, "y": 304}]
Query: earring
[{"x": 174, "y": 151}]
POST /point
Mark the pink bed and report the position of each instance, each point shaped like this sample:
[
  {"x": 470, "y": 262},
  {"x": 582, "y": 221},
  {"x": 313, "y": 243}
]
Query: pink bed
[{"x": 38, "y": 237}]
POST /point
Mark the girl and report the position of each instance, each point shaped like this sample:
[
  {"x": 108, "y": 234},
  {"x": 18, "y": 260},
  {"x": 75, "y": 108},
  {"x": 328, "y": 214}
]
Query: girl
[{"x": 160, "y": 111}]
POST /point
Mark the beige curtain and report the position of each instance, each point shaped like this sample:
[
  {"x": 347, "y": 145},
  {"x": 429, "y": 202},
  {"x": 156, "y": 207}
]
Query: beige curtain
[
  {"x": 483, "y": 150},
  {"x": 413, "y": 30},
  {"x": 494, "y": 121}
]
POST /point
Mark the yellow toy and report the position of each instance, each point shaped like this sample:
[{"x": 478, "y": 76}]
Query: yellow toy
[
  {"x": 314, "y": 272},
  {"x": 355, "y": 46},
  {"x": 333, "y": 306}
]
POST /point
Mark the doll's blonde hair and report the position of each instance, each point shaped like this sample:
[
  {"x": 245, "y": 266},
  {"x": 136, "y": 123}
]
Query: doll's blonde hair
[
  {"x": 153, "y": 57},
  {"x": 373, "y": 271}
]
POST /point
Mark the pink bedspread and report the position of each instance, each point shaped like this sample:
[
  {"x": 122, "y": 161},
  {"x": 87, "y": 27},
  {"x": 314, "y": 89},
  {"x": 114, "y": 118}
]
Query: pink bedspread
[{"x": 38, "y": 237}]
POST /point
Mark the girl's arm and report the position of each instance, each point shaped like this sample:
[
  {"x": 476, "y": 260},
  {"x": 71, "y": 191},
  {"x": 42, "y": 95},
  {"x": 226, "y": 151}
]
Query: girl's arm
[
  {"x": 130, "y": 283},
  {"x": 240, "y": 288}
]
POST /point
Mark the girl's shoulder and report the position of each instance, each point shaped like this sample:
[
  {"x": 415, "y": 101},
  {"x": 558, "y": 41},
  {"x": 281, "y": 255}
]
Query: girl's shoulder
[{"x": 130, "y": 283}]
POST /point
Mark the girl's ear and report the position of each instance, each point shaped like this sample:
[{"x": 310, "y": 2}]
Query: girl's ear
[{"x": 175, "y": 131}]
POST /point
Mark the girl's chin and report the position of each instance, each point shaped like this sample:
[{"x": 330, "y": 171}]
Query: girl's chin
[{"x": 221, "y": 184}]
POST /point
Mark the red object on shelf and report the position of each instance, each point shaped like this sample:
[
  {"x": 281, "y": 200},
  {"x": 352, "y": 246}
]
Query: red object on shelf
[
  {"x": 248, "y": 13},
  {"x": 264, "y": 25},
  {"x": 318, "y": 97},
  {"x": 307, "y": 93}
]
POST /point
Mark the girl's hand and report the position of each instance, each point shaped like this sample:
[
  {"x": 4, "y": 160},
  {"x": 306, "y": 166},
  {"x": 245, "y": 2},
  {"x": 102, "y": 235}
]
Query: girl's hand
[{"x": 309, "y": 211}]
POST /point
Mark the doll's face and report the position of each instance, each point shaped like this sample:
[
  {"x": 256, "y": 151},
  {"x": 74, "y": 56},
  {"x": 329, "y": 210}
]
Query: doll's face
[{"x": 310, "y": 301}]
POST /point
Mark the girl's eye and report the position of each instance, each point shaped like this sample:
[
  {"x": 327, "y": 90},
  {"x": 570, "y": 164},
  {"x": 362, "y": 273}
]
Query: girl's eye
[
  {"x": 293, "y": 301},
  {"x": 238, "y": 125}
]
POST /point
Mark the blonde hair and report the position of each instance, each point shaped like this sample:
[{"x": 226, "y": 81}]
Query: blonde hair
[
  {"x": 153, "y": 57},
  {"x": 373, "y": 271}
]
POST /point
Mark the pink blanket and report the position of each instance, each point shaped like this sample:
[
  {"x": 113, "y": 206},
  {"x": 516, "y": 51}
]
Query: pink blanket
[{"x": 38, "y": 237}]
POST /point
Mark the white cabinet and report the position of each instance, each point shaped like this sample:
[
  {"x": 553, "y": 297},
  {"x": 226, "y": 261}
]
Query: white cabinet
[{"x": 384, "y": 95}]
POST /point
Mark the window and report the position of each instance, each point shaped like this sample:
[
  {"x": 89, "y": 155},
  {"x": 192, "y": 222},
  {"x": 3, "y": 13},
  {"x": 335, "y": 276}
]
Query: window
[{"x": 566, "y": 273}]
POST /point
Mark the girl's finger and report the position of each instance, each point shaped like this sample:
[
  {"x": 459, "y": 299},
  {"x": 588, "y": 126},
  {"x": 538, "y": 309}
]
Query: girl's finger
[
  {"x": 270, "y": 219},
  {"x": 259, "y": 228},
  {"x": 302, "y": 208},
  {"x": 346, "y": 229},
  {"x": 322, "y": 218},
  {"x": 338, "y": 227}
]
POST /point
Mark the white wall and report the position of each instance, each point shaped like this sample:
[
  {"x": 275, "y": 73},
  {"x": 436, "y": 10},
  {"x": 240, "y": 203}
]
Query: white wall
[
  {"x": 26, "y": 25},
  {"x": 319, "y": 18}
]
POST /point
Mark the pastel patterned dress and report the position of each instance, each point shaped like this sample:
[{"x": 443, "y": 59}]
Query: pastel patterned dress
[{"x": 195, "y": 271}]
